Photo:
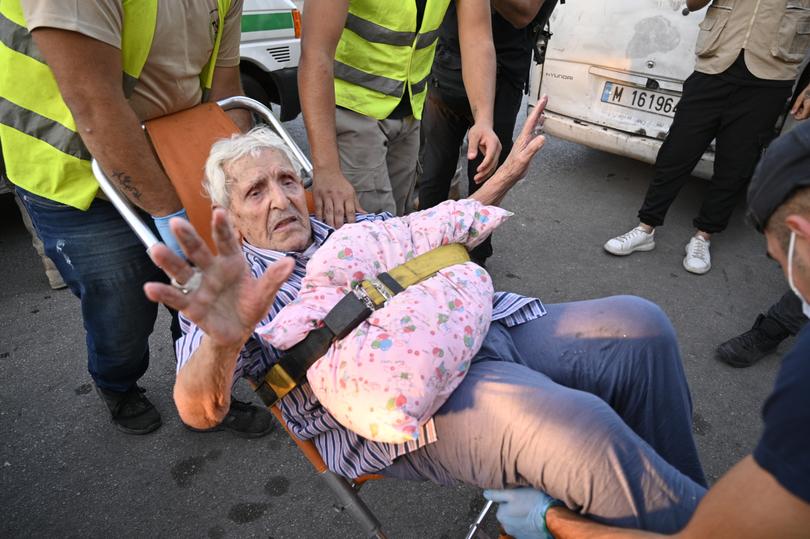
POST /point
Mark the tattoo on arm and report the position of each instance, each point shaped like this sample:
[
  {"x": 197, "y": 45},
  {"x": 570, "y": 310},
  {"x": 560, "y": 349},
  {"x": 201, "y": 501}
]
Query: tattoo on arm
[{"x": 126, "y": 183}]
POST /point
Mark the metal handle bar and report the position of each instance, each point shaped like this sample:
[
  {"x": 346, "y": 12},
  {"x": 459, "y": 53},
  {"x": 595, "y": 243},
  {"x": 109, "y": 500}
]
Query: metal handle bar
[
  {"x": 125, "y": 208},
  {"x": 475, "y": 527}
]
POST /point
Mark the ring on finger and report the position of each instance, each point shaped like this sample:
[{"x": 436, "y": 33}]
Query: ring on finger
[{"x": 192, "y": 284}]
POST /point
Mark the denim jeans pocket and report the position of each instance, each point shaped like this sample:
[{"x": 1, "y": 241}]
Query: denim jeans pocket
[{"x": 36, "y": 200}]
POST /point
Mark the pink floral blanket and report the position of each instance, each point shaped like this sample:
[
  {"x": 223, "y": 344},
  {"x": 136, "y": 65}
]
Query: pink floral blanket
[{"x": 391, "y": 373}]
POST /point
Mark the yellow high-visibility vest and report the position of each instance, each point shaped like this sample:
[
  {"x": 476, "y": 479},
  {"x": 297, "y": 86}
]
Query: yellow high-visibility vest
[
  {"x": 42, "y": 151},
  {"x": 381, "y": 55}
]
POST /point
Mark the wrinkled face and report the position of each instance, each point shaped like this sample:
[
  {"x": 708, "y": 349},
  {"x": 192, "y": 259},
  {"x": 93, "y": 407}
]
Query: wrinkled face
[{"x": 268, "y": 203}]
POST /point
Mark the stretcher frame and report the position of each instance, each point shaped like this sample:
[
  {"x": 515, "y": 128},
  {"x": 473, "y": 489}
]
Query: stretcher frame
[{"x": 346, "y": 491}]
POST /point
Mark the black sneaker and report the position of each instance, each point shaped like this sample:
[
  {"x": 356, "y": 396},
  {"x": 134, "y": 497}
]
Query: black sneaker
[
  {"x": 244, "y": 420},
  {"x": 759, "y": 341},
  {"x": 131, "y": 411}
]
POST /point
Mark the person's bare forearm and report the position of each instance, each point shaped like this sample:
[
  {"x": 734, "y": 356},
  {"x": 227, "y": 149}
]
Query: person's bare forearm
[
  {"x": 563, "y": 523},
  {"x": 492, "y": 192},
  {"x": 479, "y": 82},
  {"x": 519, "y": 13},
  {"x": 106, "y": 123},
  {"x": 228, "y": 83},
  {"x": 478, "y": 65},
  {"x": 316, "y": 74},
  {"x": 121, "y": 148},
  {"x": 202, "y": 391},
  {"x": 334, "y": 197}
]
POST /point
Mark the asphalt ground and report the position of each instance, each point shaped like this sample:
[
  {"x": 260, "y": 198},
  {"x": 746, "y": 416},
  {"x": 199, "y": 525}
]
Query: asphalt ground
[{"x": 66, "y": 472}]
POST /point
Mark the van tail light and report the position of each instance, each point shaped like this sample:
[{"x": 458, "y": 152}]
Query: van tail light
[{"x": 296, "y": 15}]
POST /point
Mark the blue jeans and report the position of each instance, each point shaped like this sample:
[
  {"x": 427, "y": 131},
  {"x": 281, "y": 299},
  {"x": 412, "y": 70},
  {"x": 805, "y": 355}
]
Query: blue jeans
[
  {"x": 105, "y": 266},
  {"x": 589, "y": 404}
]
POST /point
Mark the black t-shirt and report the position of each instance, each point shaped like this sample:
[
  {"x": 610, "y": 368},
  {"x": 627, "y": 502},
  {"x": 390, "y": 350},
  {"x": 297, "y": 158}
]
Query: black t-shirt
[
  {"x": 784, "y": 449},
  {"x": 738, "y": 73},
  {"x": 403, "y": 108},
  {"x": 513, "y": 52}
]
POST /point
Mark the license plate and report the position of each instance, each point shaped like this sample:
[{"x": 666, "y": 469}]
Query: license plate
[{"x": 634, "y": 98}]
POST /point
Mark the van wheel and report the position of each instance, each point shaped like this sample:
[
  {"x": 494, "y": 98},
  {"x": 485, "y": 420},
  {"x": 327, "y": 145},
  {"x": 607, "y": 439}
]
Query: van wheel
[{"x": 254, "y": 89}]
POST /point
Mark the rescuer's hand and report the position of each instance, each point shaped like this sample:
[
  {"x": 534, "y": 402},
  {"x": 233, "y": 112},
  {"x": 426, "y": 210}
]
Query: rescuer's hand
[
  {"x": 335, "y": 199},
  {"x": 522, "y": 511},
  {"x": 483, "y": 139}
]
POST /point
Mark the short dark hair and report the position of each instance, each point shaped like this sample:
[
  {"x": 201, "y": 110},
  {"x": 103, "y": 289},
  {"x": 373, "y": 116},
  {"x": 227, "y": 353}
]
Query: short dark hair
[
  {"x": 783, "y": 170},
  {"x": 797, "y": 204}
]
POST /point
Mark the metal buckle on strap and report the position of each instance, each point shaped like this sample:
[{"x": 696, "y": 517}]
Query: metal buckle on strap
[
  {"x": 362, "y": 296},
  {"x": 365, "y": 297},
  {"x": 279, "y": 381},
  {"x": 381, "y": 288}
]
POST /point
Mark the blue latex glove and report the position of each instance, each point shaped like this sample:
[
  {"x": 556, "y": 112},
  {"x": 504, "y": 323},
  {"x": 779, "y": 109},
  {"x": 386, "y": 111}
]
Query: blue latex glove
[
  {"x": 522, "y": 511},
  {"x": 162, "y": 224}
]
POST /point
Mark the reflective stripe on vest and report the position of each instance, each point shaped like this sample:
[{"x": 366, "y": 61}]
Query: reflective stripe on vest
[
  {"x": 42, "y": 151},
  {"x": 381, "y": 55},
  {"x": 380, "y": 34},
  {"x": 42, "y": 128},
  {"x": 16, "y": 37}
]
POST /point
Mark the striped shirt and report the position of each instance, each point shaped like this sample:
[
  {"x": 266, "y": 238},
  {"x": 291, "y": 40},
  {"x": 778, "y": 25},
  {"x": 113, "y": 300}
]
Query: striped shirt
[{"x": 344, "y": 452}]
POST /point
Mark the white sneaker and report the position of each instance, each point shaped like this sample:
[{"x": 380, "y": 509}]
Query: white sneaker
[
  {"x": 698, "y": 259},
  {"x": 636, "y": 240}
]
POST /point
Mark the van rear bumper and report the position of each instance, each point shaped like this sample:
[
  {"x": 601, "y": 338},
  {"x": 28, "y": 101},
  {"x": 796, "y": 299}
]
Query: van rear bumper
[{"x": 614, "y": 141}]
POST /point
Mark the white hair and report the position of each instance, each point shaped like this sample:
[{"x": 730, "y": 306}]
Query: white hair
[{"x": 217, "y": 183}]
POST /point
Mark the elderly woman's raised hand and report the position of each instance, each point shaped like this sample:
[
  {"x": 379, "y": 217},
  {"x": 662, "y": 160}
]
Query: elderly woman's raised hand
[{"x": 219, "y": 294}]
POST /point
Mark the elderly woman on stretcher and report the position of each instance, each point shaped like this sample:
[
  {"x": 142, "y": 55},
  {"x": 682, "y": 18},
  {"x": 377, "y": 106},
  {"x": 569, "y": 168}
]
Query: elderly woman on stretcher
[{"x": 422, "y": 371}]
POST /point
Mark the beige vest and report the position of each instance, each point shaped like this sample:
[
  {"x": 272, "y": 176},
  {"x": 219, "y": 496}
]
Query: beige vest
[{"x": 774, "y": 33}]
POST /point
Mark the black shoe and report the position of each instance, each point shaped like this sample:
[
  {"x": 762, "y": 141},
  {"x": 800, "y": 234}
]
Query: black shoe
[
  {"x": 480, "y": 261},
  {"x": 244, "y": 420},
  {"x": 759, "y": 341},
  {"x": 131, "y": 411}
]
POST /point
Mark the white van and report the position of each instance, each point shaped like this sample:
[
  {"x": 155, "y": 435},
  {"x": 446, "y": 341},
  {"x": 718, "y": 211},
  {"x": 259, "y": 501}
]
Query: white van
[
  {"x": 614, "y": 73},
  {"x": 270, "y": 51}
]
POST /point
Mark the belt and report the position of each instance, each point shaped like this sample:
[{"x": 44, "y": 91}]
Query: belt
[{"x": 357, "y": 305}]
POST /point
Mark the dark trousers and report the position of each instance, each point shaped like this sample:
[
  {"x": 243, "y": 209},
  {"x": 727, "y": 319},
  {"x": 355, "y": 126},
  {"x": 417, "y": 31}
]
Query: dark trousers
[
  {"x": 445, "y": 121},
  {"x": 787, "y": 312},
  {"x": 589, "y": 404},
  {"x": 105, "y": 266},
  {"x": 741, "y": 118}
]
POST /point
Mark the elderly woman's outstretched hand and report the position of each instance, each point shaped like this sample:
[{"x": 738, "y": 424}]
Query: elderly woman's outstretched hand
[{"x": 219, "y": 294}]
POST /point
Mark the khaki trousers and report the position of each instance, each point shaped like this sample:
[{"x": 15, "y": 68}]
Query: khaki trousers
[{"x": 379, "y": 158}]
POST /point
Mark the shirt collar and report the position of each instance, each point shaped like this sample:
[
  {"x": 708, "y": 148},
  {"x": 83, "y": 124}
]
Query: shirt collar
[{"x": 320, "y": 232}]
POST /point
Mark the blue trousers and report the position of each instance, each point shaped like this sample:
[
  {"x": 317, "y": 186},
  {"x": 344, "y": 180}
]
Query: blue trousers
[
  {"x": 105, "y": 266},
  {"x": 589, "y": 404}
]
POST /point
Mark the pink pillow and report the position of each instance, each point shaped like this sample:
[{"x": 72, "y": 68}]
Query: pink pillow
[{"x": 392, "y": 372}]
